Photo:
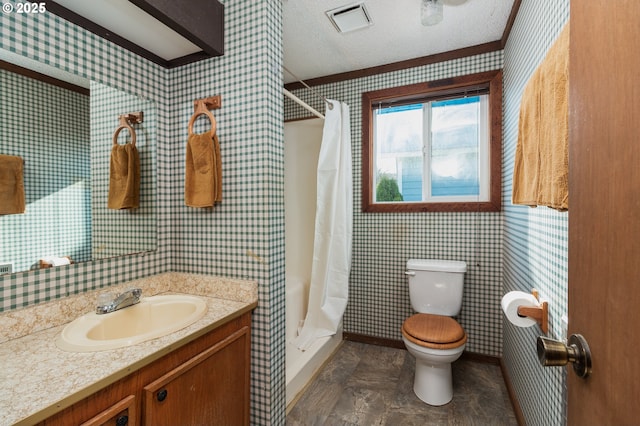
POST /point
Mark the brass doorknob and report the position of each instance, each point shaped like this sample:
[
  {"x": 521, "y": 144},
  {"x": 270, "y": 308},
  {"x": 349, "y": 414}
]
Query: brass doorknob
[{"x": 555, "y": 353}]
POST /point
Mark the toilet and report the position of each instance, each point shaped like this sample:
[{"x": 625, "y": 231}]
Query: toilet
[{"x": 431, "y": 335}]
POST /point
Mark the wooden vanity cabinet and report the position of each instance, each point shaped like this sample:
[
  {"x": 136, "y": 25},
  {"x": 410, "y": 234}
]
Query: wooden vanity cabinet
[{"x": 205, "y": 382}]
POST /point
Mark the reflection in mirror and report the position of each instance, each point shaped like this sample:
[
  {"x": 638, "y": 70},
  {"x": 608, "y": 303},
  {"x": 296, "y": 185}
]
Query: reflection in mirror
[
  {"x": 120, "y": 232},
  {"x": 65, "y": 139}
]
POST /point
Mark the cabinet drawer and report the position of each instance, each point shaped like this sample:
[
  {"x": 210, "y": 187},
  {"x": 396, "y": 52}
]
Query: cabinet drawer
[{"x": 122, "y": 413}]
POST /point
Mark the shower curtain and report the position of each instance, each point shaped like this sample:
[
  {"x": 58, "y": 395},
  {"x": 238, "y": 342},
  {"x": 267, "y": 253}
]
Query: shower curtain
[{"x": 333, "y": 230}]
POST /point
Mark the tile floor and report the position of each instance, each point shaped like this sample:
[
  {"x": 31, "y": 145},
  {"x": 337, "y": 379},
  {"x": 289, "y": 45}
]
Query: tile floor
[{"x": 373, "y": 385}]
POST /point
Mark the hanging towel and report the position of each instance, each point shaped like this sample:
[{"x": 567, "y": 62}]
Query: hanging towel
[
  {"x": 541, "y": 169},
  {"x": 124, "y": 178},
  {"x": 203, "y": 177},
  {"x": 12, "y": 200}
]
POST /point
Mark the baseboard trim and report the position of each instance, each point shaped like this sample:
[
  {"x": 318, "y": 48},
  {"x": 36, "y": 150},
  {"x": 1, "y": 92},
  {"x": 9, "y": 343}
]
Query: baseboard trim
[
  {"x": 512, "y": 394},
  {"x": 372, "y": 340},
  {"x": 480, "y": 358}
]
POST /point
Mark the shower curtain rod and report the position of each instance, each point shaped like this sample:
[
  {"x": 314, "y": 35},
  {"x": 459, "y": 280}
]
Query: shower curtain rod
[
  {"x": 329, "y": 104},
  {"x": 302, "y": 103}
]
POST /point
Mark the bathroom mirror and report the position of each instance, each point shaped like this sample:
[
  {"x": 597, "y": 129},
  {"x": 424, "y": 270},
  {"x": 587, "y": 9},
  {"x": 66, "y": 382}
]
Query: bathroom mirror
[{"x": 65, "y": 138}]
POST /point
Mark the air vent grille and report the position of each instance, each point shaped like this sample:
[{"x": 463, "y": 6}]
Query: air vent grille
[{"x": 350, "y": 18}]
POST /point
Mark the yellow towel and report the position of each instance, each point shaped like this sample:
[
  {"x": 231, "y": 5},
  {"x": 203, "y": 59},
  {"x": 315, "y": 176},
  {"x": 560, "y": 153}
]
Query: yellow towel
[
  {"x": 541, "y": 169},
  {"x": 11, "y": 185},
  {"x": 203, "y": 177},
  {"x": 124, "y": 178}
]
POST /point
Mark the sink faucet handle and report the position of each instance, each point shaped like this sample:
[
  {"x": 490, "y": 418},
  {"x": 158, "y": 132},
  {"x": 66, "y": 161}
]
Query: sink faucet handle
[
  {"x": 134, "y": 291},
  {"x": 104, "y": 299}
]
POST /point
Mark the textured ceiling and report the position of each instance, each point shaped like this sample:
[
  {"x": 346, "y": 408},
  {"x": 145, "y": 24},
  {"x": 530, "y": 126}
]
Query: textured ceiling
[{"x": 313, "y": 48}]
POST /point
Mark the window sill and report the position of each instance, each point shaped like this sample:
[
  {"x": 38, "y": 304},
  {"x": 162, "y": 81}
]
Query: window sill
[{"x": 405, "y": 207}]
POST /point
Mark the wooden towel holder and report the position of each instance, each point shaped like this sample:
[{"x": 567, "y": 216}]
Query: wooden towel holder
[
  {"x": 126, "y": 120},
  {"x": 538, "y": 313},
  {"x": 204, "y": 107}
]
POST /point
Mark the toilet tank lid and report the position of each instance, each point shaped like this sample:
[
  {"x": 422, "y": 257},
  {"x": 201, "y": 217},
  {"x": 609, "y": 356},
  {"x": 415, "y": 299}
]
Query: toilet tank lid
[{"x": 436, "y": 265}]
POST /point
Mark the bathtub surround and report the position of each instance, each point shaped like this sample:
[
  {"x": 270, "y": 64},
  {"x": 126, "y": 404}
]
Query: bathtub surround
[
  {"x": 302, "y": 140},
  {"x": 251, "y": 217}
]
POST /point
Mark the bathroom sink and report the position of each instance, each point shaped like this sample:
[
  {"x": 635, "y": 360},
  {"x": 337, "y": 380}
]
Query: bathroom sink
[{"x": 153, "y": 317}]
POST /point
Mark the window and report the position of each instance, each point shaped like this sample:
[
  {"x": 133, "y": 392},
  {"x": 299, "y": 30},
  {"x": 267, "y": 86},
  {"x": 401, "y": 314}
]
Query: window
[{"x": 433, "y": 146}]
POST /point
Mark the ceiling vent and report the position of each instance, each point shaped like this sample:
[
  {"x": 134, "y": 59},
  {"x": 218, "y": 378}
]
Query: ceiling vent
[{"x": 349, "y": 18}]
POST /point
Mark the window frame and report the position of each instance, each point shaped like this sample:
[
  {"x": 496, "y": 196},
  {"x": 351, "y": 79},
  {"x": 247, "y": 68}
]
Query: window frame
[{"x": 434, "y": 90}]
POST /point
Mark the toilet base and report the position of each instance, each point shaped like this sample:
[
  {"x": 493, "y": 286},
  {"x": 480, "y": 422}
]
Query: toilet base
[{"x": 433, "y": 383}]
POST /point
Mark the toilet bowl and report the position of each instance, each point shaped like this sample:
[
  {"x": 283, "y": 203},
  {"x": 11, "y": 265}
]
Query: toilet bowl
[
  {"x": 435, "y": 341},
  {"x": 434, "y": 338}
]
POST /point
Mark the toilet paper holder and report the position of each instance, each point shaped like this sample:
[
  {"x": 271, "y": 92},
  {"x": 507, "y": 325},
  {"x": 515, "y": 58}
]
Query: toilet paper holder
[{"x": 539, "y": 313}]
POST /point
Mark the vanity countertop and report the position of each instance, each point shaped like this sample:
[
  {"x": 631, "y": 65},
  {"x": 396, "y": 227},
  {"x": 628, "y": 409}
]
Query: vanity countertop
[{"x": 37, "y": 379}]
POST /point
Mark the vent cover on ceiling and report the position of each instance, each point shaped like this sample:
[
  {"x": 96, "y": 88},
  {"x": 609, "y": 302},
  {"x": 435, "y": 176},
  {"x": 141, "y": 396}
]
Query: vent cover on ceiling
[{"x": 349, "y": 18}]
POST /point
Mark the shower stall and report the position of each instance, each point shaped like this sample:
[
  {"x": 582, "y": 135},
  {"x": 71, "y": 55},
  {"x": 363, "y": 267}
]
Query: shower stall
[{"x": 302, "y": 143}]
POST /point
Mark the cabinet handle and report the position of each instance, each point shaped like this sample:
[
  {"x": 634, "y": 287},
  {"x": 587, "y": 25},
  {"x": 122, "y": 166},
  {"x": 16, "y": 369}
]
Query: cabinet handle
[
  {"x": 162, "y": 395},
  {"x": 122, "y": 421}
]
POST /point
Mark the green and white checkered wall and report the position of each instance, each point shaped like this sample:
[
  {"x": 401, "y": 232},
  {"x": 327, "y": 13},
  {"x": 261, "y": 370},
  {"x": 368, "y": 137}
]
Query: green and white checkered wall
[
  {"x": 244, "y": 236},
  {"x": 535, "y": 240},
  {"x": 383, "y": 242},
  {"x": 35, "y": 119}
]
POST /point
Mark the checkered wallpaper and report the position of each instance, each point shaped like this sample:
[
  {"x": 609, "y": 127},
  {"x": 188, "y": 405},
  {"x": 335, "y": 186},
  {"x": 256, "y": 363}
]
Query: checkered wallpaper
[
  {"x": 243, "y": 236},
  {"x": 35, "y": 123},
  {"x": 118, "y": 232},
  {"x": 535, "y": 240},
  {"x": 383, "y": 242}
]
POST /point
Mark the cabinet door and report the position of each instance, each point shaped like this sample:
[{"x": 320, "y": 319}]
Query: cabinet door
[
  {"x": 212, "y": 388},
  {"x": 121, "y": 414}
]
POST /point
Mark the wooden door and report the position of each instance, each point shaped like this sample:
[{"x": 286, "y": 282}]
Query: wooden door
[
  {"x": 604, "y": 209},
  {"x": 212, "y": 388}
]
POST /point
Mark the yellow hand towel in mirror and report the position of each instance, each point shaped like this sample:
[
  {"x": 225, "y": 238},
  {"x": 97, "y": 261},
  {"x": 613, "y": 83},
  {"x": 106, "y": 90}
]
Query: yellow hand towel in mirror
[
  {"x": 12, "y": 199},
  {"x": 124, "y": 178}
]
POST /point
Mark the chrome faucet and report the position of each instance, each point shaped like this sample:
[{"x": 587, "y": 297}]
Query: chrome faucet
[{"x": 127, "y": 298}]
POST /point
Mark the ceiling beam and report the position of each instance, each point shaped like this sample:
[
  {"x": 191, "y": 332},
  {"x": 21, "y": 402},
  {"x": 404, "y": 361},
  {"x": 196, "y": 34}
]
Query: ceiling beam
[{"x": 201, "y": 22}]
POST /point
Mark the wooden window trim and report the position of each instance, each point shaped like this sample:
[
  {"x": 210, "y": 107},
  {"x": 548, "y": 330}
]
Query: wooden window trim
[{"x": 492, "y": 79}]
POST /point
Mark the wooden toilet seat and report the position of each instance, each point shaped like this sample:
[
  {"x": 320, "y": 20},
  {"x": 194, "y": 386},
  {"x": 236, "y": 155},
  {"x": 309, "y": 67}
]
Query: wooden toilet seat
[{"x": 434, "y": 331}]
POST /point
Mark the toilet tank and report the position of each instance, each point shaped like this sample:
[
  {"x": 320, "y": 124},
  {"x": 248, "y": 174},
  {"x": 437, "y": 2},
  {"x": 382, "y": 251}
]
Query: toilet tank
[{"x": 435, "y": 286}]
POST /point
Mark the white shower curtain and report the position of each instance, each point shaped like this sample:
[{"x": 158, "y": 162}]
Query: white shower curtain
[{"x": 333, "y": 230}]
